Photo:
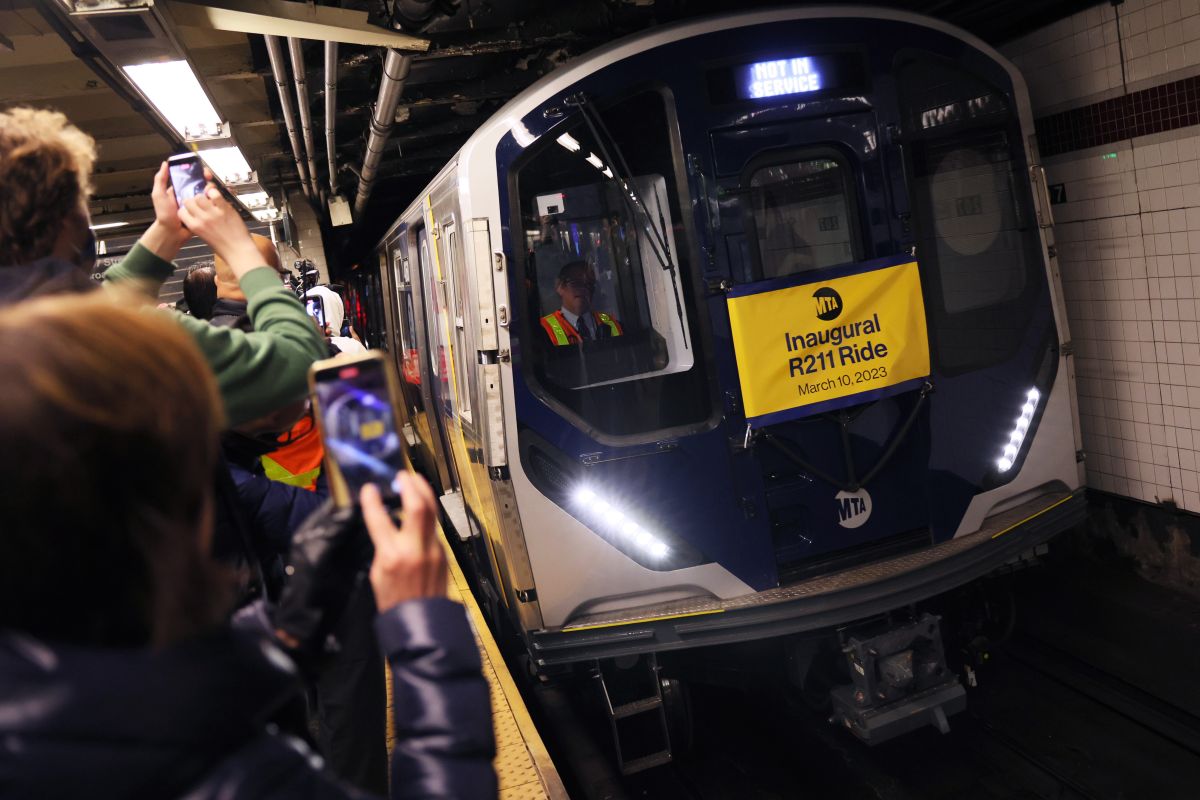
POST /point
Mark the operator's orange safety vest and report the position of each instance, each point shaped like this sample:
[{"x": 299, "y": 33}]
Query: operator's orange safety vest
[{"x": 561, "y": 332}]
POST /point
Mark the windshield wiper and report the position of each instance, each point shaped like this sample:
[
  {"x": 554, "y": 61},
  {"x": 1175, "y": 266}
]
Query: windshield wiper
[{"x": 632, "y": 199}]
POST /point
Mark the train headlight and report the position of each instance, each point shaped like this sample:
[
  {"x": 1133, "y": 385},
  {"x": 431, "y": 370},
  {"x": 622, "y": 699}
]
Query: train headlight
[
  {"x": 1012, "y": 448},
  {"x": 610, "y": 520}
]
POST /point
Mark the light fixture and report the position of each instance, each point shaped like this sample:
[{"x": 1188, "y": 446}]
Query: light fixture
[
  {"x": 595, "y": 161},
  {"x": 106, "y": 225},
  {"x": 266, "y": 214},
  {"x": 228, "y": 164},
  {"x": 1008, "y": 456},
  {"x": 568, "y": 141},
  {"x": 175, "y": 92},
  {"x": 253, "y": 200},
  {"x": 608, "y": 519}
]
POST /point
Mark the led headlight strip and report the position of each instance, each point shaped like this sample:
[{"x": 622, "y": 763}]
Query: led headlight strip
[
  {"x": 1017, "y": 438},
  {"x": 605, "y": 517}
]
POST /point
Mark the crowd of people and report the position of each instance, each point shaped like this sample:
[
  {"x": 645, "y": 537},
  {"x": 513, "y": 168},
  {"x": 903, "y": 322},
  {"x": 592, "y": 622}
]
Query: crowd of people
[{"x": 183, "y": 612}]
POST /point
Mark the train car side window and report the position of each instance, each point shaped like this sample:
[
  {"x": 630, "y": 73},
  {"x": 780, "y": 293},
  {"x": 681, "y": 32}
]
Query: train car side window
[
  {"x": 407, "y": 313},
  {"x": 606, "y": 271},
  {"x": 977, "y": 242},
  {"x": 463, "y": 366},
  {"x": 802, "y": 211}
]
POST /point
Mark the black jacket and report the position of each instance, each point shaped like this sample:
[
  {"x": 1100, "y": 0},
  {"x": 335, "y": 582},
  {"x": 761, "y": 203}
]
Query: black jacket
[{"x": 189, "y": 721}]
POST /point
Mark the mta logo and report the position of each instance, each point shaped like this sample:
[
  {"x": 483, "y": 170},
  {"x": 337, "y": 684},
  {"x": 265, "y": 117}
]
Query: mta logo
[
  {"x": 829, "y": 303},
  {"x": 853, "y": 508}
]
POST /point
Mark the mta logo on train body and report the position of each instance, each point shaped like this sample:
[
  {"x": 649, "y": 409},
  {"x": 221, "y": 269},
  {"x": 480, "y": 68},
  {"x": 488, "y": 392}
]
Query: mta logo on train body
[
  {"x": 853, "y": 508},
  {"x": 829, "y": 303}
]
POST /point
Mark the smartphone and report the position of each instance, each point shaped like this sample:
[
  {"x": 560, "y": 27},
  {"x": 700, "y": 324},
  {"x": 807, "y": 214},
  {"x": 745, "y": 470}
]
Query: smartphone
[
  {"x": 355, "y": 397},
  {"x": 187, "y": 175},
  {"x": 315, "y": 307}
]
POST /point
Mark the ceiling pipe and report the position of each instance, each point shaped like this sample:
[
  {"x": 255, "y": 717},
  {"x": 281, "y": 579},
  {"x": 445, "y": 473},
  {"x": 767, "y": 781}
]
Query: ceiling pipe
[
  {"x": 395, "y": 73},
  {"x": 279, "y": 73},
  {"x": 300, "y": 78},
  {"x": 331, "y": 57}
]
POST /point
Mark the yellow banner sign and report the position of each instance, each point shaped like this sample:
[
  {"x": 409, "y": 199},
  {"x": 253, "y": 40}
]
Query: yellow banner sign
[{"x": 805, "y": 348}]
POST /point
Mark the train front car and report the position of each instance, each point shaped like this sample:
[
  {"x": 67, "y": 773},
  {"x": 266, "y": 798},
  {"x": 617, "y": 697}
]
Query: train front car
[{"x": 787, "y": 347}]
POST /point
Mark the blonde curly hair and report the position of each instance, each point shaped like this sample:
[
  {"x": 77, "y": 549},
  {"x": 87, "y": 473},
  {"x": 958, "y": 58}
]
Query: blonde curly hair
[{"x": 45, "y": 174}]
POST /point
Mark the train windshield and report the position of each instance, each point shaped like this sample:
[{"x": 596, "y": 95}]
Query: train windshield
[{"x": 605, "y": 285}]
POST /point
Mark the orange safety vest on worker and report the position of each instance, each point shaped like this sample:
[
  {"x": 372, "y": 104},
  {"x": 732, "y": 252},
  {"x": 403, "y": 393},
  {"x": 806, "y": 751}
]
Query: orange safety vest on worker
[
  {"x": 297, "y": 463},
  {"x": 561, "y": 332}
]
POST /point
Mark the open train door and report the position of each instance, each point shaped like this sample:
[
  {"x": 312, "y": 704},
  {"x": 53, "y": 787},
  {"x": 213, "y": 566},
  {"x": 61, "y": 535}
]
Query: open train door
[{"x": 822, "y": 290}]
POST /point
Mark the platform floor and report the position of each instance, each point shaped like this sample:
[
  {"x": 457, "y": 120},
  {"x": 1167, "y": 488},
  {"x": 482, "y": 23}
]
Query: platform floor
[{"x": 523, "y": 766}]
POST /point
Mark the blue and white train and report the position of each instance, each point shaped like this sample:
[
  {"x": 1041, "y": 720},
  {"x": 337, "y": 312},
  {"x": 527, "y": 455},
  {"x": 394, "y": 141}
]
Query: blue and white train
[{"x": 615, "y": 494}]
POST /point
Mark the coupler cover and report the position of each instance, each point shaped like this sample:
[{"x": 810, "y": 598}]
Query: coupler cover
[{"x": 900, "y": 682}]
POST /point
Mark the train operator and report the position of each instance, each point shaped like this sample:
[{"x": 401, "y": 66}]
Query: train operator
[
  {"x": 576, "y": 322},
  {"x": 47, "y": 246}
]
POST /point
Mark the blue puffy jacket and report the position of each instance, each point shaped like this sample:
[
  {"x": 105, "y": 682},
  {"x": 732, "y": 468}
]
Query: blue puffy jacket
[{"x": 188, "y": 721}]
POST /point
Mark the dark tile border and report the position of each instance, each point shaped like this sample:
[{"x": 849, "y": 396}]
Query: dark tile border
[{"x": 1154, "y": 110}]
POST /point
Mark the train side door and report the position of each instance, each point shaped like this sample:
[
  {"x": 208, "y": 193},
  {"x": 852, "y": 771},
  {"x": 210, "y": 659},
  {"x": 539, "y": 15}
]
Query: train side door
[
  {"x": 797, "y": 197},
  {"x": 437, "y": 346}
]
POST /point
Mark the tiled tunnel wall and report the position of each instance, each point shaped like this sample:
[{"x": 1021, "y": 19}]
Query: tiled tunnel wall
[{"x": 1114, "y": 90}]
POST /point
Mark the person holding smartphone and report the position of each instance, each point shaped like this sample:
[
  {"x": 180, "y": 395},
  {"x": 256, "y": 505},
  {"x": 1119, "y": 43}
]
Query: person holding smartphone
[
  {"x": 48, "y": 247},
  {"x": 119, "y": 674}
]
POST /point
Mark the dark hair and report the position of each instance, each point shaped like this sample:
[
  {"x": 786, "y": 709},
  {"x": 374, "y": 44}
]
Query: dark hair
[
  {"x": 200, "y": 291},
  {"x": 579, "y": 266},
  {"x": 108, "y": 423}
]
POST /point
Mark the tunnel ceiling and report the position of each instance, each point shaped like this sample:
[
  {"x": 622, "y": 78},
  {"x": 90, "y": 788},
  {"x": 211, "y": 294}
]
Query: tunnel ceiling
[{"x": 480, "y": 56}]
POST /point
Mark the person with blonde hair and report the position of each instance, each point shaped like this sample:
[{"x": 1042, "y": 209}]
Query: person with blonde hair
[
  {"x": 47, "y": 246},
  {"x": 118, "y": 675}
]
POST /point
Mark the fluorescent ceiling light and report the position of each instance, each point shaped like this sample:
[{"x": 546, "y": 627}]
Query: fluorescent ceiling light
[
  {"x": 227, "y": 163},
  {"x": 266, "y": 214},
  {"x": 254, "y": 200},
  {"x": 105, "y": 225},
  {"x": 175, "y": 92},
  {"x": 568, "y": 141},
  {"x": 595, "y": 161}
]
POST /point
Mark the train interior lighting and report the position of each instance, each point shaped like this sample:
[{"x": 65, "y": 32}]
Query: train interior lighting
[
  {"x": 175, "y": 91},
  {"x": 106, "y": 225},
  {"x": 1015, "y": 439}
]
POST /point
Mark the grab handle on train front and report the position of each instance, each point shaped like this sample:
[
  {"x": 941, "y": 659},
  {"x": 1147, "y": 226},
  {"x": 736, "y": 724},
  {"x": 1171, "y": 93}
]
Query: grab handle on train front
[{"x": 1041, "y": 196}]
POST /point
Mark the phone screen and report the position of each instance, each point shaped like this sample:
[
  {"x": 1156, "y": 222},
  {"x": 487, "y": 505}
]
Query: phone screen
[
  {"x": 360, "y": 425},
  {"x": 187, "y": 177},
  {"x": 316, "y": 309}
]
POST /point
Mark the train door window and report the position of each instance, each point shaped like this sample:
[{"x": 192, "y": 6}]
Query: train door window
[
  {"x": 456, "y": 319},
  {"x": 410, "y": 364},
  {"x": 435, "y": 303},
  {"x": 977, "y": 243},
  {"x": 802, "y": 210},
  {"x": 606, "y": 270}
]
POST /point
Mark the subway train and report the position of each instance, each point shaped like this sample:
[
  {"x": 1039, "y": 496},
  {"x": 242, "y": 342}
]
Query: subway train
[{"x": 741, "y": 329}]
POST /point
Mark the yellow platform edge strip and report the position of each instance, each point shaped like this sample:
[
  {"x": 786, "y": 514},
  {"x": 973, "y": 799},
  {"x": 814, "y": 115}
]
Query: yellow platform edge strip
[
  {"x": 574, "y": 628},
  {"x": 1032, "y": 516},
  {"x": 542, "y": 762}
]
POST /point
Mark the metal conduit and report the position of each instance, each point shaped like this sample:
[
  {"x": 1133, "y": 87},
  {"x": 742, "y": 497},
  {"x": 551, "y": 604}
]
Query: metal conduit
[
  {"x": 279, "y": 73},
  {"x": 331, "y": 57},
  {"x": 395, "y": 73},
  {"x": 300, "y": 78}
]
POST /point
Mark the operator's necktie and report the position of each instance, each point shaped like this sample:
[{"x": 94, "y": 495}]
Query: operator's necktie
[{"x": 584, "y": 326}]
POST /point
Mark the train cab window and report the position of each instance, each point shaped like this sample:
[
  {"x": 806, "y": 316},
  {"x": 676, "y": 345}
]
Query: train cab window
[
  {"x": 606, "y": 271},
  {"x": 976, "y": 242},
  {"x": 802, "y": 215}
]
